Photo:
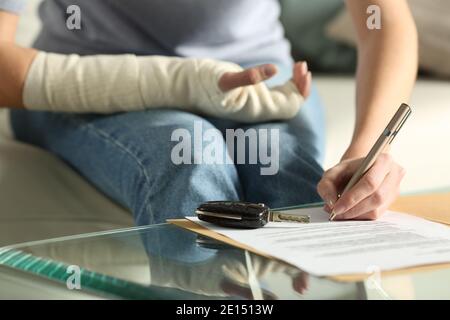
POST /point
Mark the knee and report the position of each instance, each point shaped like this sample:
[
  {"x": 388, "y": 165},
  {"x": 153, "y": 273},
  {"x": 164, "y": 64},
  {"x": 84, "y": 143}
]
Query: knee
[
  {"x": 182, "y": 165},
  {"x": 184, "y": 141},
  {"x": 196, "y": 154}
]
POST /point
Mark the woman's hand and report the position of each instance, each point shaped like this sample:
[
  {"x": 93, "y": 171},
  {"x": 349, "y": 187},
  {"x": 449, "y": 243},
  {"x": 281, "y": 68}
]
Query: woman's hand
[
  {"x": 370, "y": 197},
  {"x": 232, "y": 80}
]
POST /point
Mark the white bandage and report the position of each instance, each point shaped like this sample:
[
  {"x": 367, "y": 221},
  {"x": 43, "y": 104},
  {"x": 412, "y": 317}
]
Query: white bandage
[{"x": 115, "y": 83}]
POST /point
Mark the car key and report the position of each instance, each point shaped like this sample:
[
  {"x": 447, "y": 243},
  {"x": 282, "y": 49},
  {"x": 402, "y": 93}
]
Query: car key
[{"x": 244, "y": 215}]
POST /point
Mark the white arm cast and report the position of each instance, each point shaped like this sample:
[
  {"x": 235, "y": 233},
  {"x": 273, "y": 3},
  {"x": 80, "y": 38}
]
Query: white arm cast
[{"x": 116, "y": 83}]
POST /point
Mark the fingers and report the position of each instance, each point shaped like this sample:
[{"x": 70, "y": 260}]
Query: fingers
[
  {"x": 366, "y": 186},
  {"x": 302, "y": 78},
  {"x": 370, "y": 197},
  {"x": 251, "y": 76},
  {"x": 334, "y": 180},
  {"x": 232, "y": 80},
  {"x": 372, "y": 207},
  {"x": 373, "y": 194}
]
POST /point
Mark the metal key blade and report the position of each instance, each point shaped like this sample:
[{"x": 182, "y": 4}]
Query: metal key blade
[{"x": 276, "y": 216}]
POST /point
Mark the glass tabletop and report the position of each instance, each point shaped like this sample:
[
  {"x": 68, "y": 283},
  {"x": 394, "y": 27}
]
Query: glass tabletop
[{"x": 167, "y": 262}]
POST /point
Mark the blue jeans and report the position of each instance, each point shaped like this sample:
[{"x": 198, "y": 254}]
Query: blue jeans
[{"x": 128, "y": 157}]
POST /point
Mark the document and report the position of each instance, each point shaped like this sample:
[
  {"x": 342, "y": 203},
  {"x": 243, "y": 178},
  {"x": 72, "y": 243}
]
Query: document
[{"x": 324, "y": 248}]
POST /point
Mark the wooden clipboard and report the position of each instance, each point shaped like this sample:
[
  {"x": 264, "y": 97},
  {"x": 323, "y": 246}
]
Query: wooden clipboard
[{"x": 434, "y": 207}]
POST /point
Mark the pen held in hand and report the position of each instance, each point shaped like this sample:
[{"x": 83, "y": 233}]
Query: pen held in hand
[{"x": 384, "y": 140}]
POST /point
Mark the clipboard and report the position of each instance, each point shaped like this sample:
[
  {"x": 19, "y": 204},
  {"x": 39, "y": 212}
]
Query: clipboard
[{"x": 431, "y": 206}]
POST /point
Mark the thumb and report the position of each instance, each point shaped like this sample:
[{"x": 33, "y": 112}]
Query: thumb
[{"x": 251, "y": 76}]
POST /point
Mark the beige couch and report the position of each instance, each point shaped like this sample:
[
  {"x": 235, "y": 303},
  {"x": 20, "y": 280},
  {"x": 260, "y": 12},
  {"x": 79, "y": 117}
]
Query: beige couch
[{"x": 41, "y": 197}]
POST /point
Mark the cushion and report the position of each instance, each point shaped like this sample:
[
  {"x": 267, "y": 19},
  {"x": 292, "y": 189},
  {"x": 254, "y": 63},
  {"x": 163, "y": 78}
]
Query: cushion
[{"x": 305, "y": 22}]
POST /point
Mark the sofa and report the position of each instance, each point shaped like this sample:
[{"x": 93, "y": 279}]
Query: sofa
[{"x": 41, "y": 197}]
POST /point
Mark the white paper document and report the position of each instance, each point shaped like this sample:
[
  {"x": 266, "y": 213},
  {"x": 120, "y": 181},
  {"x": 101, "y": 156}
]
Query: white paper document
[{"x": 326, "y": 248}]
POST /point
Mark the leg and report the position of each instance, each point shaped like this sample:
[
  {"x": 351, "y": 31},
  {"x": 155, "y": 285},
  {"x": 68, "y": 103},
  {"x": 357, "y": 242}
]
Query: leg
[
  {"x": 299, "y": 171},
  {"x": 301, "y": 150},
  {"x": 128, "y": 157}
]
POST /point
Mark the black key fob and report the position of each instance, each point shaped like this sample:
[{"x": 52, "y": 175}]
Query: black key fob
[{"x": 244, "y": 215}]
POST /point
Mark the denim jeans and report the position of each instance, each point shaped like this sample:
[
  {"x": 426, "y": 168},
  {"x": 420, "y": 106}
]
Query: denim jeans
[{"x": 128, "y": 157}]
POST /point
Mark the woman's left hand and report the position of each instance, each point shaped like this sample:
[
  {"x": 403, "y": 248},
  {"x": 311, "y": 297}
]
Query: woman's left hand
[
  {"x": 301, "y": 76},
  {"x": 370, "y": 197}
]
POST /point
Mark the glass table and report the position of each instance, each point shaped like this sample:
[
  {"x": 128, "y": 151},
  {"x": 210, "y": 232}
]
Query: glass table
[{"x": 167, "y": 262}]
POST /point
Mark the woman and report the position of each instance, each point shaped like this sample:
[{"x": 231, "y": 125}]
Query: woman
[{"x": 127, "y": 155}]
